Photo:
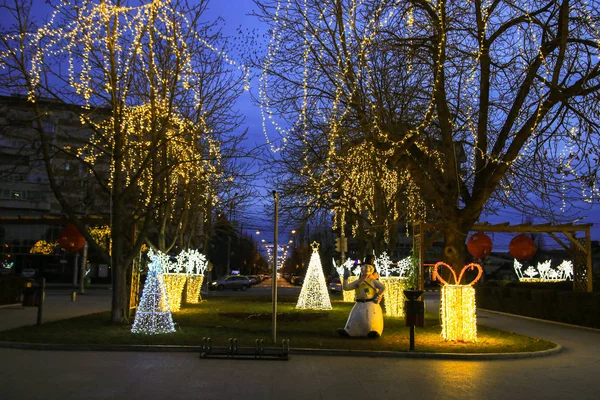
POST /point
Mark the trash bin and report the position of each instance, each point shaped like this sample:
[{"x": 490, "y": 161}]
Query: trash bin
[
  {"x": 414, "y": 309},
  {"x": 32, "y": 293}
]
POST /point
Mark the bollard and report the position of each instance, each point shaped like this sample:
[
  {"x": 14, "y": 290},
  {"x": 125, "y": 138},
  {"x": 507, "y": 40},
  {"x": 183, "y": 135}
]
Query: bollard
[
  {"x": 73, "y": 296},
  {"x": 415, "y": 313}
]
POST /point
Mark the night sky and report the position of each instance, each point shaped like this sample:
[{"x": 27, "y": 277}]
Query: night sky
[{"x": 234, "y": 14}]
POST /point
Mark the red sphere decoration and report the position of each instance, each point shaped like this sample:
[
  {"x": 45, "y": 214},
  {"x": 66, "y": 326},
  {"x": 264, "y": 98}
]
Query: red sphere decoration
[
  {"x": 70, "y": 239},
  {"x": 479, "y": 245},
  {"x": 522, "y": 247}
]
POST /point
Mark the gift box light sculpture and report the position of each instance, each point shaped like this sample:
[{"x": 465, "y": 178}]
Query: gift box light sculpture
[
  {"x": 313, "y": 295},
  {"x": 546, "y": 273},
  {"x": 395, "y": 285},
  {"x": 153, "y": 315},
  {"x": 459, "y": 322}
]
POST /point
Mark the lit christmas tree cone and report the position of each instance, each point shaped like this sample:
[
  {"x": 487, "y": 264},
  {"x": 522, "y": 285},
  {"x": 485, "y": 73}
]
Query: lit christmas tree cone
[
  {"x": 458, "y": 310},
  {"x": 314, "y": 295},
  {"x": 174, "y": 283},
  {"x": 393, "y": 297},
  {"x": 153, "y": 315}
]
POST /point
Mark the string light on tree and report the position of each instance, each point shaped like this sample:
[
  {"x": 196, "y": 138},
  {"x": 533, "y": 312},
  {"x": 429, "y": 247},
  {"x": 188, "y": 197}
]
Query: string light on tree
[{"x": 314, "y": 295}]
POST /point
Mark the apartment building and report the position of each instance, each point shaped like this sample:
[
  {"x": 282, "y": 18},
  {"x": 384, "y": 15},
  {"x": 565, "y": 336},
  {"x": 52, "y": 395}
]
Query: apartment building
[{"x": 29, "y": 211}]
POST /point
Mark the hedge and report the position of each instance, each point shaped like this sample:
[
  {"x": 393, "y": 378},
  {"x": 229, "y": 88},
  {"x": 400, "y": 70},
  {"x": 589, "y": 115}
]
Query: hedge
[
  {"x": 11, "y": 288},
  {"x": 577, "y": 308}
]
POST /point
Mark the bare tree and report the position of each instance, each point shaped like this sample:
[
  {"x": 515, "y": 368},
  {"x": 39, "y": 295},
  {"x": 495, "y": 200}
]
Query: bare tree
[
  {"x": 155, "y": 92},
  {"x": 472, "y": 105}
]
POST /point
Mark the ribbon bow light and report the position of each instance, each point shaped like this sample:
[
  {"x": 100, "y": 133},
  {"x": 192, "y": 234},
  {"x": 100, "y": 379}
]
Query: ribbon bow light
[
  {"x": 471, "y": 267},
  {"x": 457, "y": 303}
]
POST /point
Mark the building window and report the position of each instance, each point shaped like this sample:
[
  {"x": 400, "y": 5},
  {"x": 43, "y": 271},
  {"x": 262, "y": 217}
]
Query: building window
[{"x": 17, "y": 195}]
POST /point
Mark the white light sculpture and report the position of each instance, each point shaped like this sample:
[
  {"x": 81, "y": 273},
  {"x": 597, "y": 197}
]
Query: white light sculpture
[
  {"x": 545, "y": 271},
  {"x": 153, "y": 315},
  {"x": 195, "y": 263},
  {"x": 395, "y": 285},
  {"x": 348, "y": 295},
  {"x": 313, "y": 295}
]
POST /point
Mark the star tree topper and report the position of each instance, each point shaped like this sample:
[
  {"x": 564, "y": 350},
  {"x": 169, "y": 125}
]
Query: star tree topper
[{"x": 315, "y": 247}]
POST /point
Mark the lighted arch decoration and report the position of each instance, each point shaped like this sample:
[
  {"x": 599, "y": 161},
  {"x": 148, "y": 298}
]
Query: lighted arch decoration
[{"x": 457, "y": 308}]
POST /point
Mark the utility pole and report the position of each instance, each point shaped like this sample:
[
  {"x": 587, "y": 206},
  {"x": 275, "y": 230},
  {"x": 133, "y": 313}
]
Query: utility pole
[{"x": 274, "y": 272}]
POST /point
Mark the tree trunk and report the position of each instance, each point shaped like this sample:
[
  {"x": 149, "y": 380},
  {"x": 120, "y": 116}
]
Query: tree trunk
[
  {"x": 454, "y": 253},
  {"x": 120, "y": 308}
]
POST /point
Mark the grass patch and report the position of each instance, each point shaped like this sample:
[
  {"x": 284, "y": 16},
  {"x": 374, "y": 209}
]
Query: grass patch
[{"x": 249, "y": 318}]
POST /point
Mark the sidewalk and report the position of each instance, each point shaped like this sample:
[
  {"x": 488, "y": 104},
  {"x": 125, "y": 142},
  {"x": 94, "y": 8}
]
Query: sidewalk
[{"x": 57, "y": 306}]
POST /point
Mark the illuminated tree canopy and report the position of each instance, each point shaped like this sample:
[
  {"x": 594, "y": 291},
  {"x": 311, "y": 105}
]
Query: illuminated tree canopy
[
  {"x": 155, "y": 90},
  {"x": 434, "y": 109}
]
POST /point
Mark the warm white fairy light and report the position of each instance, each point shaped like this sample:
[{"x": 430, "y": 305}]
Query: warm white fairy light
[
  {"x": 545, "y": 272},
  {"x": 395, "y": 281},
  {"x": 108, "y": 39},
  {"x": 174, "y": 283},
  {"x": 194, "y": 263},
  {"x": 457, "y": 304},
  {"x": 481, "y": 51},
  {"x": 393, "y": 297},
  {"x": 314, "y": 295},
  {"x": 192, "y": 292},
  {"x": 458, "y": 312},
  {"x": 153, "y": 315}
]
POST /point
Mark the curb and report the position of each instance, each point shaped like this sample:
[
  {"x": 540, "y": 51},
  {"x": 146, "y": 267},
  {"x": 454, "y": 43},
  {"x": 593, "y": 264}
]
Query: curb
[
  {"x": 316, "y": 352},
  {"x": 540, "y": 320},
  {"x": 11, "y": 305}
]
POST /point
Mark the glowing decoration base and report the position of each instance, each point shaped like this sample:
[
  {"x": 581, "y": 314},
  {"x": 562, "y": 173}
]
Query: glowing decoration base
[
  {"x": 394, "y": 295},
  {"x": 459, "y": 322},
  {"x": 192, "y": 293},
  {"x": 349, "y": 294},
  {"x": 314, "y": 295},
  {"x": 174, "y": 284},
  {"x": 395, "y": 285},
  {"x": 153, "y": 315}
]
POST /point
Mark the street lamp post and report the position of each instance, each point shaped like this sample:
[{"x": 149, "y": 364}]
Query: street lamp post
[{"x": 274, "y": 273}]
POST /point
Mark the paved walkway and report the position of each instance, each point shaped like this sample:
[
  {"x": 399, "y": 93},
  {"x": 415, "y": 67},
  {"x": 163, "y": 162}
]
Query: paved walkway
[
  {"x": 573, "y": 373},
  {"x": 58, "y": 305}
]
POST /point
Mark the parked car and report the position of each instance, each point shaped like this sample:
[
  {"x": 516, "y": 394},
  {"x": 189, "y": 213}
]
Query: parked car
[
  {"x": 297, "y": 280},
  {"x": 335, "y": 285},
  {"x": 254, "y": 279},
  {"x": 234, "y": 282},
  {"x": 28, "y": 272}
]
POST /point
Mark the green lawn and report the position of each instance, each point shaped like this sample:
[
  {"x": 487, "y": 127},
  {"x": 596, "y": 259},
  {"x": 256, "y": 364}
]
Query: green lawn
[{"x": 249, "y": 318}]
